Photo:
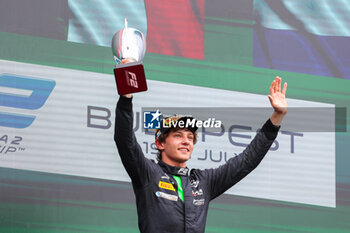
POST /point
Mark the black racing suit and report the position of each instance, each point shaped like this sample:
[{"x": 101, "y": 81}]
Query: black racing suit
[{"x": 158, "y": 206}]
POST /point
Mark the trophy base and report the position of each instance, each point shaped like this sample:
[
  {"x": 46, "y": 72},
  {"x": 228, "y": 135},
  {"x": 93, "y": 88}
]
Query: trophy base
[{"x": 130, "y": 78}]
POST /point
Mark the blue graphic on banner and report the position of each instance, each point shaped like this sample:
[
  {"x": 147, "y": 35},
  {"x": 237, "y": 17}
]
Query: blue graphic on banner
[
  {"x": 15, "y": 120},
  {"x": 40, "y": 90}
]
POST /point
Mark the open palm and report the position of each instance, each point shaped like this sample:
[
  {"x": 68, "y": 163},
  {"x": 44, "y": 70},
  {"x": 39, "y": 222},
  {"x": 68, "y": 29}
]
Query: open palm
[{"x": 278, "y": 98}]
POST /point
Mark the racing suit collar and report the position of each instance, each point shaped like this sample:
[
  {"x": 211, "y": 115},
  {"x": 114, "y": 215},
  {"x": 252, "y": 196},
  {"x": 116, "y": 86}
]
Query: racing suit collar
[{"x": 177, "y": 171}]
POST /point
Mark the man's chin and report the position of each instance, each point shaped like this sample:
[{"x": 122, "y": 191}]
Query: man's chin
[{"x": 183, "y": 158}]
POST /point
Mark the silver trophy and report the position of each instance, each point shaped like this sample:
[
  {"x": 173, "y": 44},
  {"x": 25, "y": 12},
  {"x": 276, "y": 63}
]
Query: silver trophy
[{"x": 129, "y": 47}]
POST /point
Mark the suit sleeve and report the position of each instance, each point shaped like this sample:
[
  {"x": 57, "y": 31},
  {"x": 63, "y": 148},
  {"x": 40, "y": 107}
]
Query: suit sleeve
[
  {"x": 236, "y": 168},
  {"x": 132, "y": 157}
]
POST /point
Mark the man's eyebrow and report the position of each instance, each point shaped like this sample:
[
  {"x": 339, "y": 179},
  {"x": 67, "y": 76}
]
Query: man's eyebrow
[{"x": 182, "y": 130}]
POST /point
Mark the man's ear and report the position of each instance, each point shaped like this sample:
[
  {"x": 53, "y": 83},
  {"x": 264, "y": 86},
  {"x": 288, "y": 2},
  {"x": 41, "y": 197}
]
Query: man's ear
[{"x": 160, "y": 145}]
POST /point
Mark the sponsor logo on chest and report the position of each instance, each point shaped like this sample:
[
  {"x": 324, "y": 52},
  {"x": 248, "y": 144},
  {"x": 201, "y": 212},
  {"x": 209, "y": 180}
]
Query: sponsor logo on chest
[
  {"x": 165, "y": 185},
  {"x": 198, "y": 202},
  {"x": 165, "y": 176},
  {"x": 166, "y": 196},
  {"x": 198, "y": 192},
  {"x": 194, "y": 183}
]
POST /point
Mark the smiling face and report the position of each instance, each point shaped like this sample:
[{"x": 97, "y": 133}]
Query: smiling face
[{"x": 177, "y": 147}]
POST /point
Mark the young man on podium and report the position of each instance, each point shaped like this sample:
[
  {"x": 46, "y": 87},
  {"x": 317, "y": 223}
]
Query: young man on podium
[{"x": 169, "y": 196}]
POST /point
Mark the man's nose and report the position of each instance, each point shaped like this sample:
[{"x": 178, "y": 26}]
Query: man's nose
[{"x": 186, "y": 141}]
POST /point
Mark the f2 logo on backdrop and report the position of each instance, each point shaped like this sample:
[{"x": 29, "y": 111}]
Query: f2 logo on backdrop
[{"x": 22, "y": 93}]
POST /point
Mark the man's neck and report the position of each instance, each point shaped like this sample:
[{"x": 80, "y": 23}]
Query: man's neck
[{"x": 173, "y": 163}]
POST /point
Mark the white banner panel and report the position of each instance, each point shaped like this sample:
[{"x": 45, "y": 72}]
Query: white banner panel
[{"x": 63, "y": 139}]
